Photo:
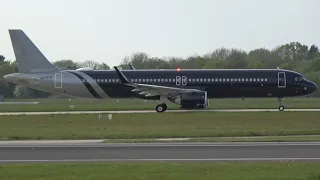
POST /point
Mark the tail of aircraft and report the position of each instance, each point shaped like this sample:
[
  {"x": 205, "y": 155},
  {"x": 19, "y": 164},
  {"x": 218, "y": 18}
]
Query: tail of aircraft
[{"x": 28, "y": 56}]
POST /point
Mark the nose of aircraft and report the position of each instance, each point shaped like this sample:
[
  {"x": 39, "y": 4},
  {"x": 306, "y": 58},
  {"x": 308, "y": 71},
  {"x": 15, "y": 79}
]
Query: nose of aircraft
[{"x": 312, "y": 87}]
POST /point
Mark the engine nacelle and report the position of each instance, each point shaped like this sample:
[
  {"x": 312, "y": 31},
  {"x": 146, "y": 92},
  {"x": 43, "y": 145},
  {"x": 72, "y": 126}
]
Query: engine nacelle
[{"x": 192, "y": 100}]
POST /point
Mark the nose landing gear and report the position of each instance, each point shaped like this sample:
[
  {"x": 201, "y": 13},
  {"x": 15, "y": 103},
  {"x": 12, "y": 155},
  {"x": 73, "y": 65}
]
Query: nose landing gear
[{"x": 281, "y": 107}]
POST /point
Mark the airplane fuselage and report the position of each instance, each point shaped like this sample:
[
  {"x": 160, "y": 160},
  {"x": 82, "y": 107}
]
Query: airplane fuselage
[{"x": 224, "y": 83}]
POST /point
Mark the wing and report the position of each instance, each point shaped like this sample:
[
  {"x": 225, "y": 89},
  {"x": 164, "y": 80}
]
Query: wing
[{"x": 153, "y": 90}]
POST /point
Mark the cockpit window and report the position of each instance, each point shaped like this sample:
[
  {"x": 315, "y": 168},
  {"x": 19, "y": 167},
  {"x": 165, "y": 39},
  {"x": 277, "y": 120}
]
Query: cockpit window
[{"x": 299, "y": 78}]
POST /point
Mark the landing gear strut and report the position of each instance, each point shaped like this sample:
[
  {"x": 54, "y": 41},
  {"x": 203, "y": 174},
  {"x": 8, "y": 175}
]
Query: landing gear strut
[
  {"x": 161, "y": 107},
  {"x": 281, "y": 107}
]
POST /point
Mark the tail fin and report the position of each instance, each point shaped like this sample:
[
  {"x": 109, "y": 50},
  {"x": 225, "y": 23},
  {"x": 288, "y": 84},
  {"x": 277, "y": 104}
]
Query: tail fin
[{"x": 28, "y": 56}]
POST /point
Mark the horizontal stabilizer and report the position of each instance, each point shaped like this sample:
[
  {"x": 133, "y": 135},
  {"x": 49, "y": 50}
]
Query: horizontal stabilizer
[{"x": 20, "y": 79}]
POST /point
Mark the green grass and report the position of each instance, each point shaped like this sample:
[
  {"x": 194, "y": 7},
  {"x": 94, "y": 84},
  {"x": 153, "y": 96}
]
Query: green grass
[
  {"x": 164, "y": 171},
  {"x": 163, "y": 125},
  {"x": 125, "y": 104}
]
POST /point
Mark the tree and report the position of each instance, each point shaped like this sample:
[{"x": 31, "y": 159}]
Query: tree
[
  {"x": 175, "y": 62},
  {"x": 139, "y": 60},
  {"x": 315, "y": 64},
  {"x": 66, "y": 64},
  {"x": 88, "y": 64},
  {"x": 94, "y": 65},
  {"x": 220, "y": 54},
  {"x": 237, "y": 59},
  {"x": 255, "y": 64},
  {"x": 265, "y": 57},
  {"x": 7, "y": 67},
  {"x": 313, "y": 52},
  {"x": 293, "y": 51},
  {"x": 22, "y": 92},
  {"x": 2, "y": 58},
  {"x": 103, "y": 66}
]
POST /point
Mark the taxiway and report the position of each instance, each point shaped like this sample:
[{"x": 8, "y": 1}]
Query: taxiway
[{"x": 117, "y": 152}]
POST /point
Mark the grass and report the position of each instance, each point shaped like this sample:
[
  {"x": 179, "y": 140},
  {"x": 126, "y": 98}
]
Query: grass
[
  {"x": 125, "y": 104},
  {"x": 163, "y": 171},
  {"x": 164, "y": 125}
]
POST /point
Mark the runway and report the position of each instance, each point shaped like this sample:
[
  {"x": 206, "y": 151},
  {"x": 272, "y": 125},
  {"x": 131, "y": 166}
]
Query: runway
[
  {"x": 137, "y": 152},
  {"x": 153, "y": 111}
]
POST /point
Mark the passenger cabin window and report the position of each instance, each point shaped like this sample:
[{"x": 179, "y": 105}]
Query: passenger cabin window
[{"x": 194, "y": 80}]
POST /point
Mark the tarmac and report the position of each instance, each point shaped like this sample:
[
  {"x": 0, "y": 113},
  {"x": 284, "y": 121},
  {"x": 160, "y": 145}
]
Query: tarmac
[{"x": 95, "y": 151}]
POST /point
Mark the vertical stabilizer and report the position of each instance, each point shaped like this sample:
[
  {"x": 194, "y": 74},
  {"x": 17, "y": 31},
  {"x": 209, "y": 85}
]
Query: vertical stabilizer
[{"x": 28, "y": 56}]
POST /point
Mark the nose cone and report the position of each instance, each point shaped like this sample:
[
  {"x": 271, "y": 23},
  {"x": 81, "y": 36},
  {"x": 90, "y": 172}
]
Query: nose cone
[{"x": 312, "y": 87}]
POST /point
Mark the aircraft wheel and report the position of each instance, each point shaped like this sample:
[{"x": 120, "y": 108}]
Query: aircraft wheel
[
  {"x": 281, "y": 108},
  {"x": 160, "y": 108},
  {"x": 164, "y": 105}
]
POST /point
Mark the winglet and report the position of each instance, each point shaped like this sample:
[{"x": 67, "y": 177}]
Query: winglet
[
  {"x": 131, "y": 67},
  {"x": 121, "y": 76}
]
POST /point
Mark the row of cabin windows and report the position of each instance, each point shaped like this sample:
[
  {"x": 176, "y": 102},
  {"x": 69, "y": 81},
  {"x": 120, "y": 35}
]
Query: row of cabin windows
[{"x": 190, "y": 80}]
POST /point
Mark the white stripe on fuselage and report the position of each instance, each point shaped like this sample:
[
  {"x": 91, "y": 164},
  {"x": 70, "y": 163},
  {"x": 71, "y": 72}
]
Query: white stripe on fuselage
[
  {"x": 93, "y": 83},
  {"x": 88, "y": 94}
]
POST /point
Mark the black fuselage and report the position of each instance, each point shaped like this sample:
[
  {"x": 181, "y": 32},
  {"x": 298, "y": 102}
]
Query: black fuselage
[{"x": 219, "y": 83}]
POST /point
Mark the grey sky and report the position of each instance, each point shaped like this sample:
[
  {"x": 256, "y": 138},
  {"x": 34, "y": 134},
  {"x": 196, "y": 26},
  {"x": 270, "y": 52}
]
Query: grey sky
[{"x": 108, "y": 30}]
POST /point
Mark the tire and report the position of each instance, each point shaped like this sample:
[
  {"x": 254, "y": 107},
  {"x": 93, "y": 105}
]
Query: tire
[
  {"x": 164, "y": 106},
  {"x": 281, "y": 108},
  {"x": 160, "y": 108}
]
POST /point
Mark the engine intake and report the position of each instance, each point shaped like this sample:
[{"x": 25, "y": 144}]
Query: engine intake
[{"x": 192, "y": 100}]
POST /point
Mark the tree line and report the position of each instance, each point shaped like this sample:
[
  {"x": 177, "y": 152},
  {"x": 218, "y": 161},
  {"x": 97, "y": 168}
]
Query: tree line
[{"x": 292, "y": 56}]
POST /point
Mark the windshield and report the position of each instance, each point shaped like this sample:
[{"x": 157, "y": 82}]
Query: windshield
[{"x": 300, "y": 78}]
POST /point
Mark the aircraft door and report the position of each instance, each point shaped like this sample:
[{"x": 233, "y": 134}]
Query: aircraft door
[
  {"x": 184, "y": 80},
  {"x": 58, "y": 80},
  {"x": 281, "y": 79},
  {"x": 178, "y": 80},
  {"x": 181, "y": 80}
]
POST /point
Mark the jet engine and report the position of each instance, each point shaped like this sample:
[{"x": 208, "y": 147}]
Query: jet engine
[{"x": 192, "y": 100}]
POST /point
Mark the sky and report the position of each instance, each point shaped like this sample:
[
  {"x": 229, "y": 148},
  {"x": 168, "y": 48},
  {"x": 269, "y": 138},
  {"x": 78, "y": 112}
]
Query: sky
[{"x": 108, "y": 30}]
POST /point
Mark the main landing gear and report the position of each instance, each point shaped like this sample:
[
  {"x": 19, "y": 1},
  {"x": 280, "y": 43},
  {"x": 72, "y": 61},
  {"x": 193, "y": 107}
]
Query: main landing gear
[
  {"x": 161, "y": 107},
  {"x": 281, "y": 107}
]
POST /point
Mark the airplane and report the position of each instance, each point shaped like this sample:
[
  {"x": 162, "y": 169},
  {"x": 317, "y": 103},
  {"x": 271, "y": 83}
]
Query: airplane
[{"x": 189, "y": 88}]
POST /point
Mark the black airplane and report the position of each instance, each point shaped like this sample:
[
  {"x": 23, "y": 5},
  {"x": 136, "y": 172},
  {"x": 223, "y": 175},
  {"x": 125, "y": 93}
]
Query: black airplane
[{"x": 189, "y": 88}]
